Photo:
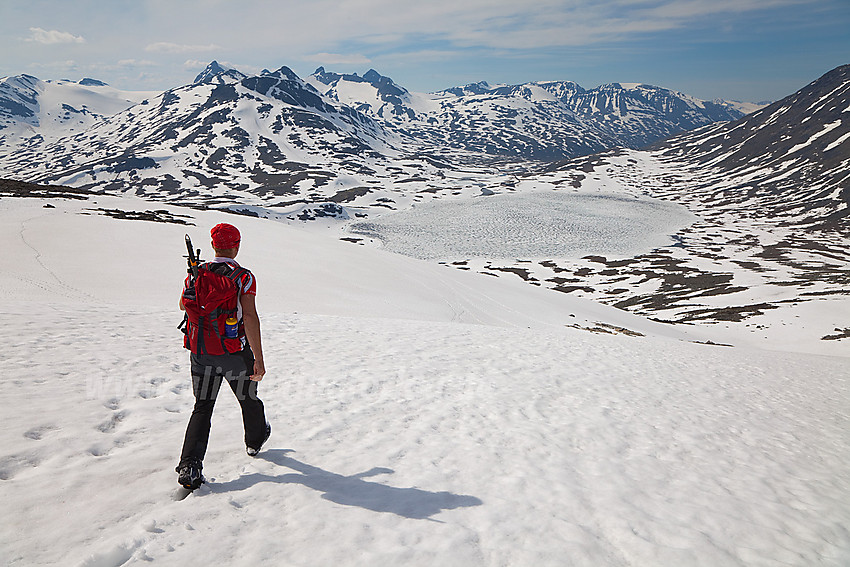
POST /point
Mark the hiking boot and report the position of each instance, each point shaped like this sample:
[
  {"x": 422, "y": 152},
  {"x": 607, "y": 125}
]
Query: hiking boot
[
  {"x": 189, "y": 474},
  {"x": 252, "y": 451}
]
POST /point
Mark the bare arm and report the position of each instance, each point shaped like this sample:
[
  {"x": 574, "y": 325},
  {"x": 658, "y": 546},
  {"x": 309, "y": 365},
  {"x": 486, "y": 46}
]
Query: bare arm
[{"x": 252, "y": 332}]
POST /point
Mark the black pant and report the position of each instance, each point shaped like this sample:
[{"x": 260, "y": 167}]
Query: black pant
[{"x": 208, "y": 371}]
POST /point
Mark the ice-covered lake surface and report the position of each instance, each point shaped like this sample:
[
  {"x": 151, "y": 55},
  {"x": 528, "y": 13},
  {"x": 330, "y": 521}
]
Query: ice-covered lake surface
[{"x": 530, "y": 225}]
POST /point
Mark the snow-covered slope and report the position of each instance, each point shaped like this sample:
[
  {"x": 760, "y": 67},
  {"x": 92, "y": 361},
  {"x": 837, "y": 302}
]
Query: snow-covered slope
[
  {"x": 332, "y": 276},
  {"x": 789, "y": 161},
  {"x": 402, "y": 434},
  {"x": 31, "y": 108}
]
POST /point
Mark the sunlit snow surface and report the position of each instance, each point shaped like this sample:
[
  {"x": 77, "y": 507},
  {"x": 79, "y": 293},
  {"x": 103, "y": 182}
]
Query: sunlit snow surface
[
  {"x": 421, "y": 416},
  {"x": 530, "y": 225}
]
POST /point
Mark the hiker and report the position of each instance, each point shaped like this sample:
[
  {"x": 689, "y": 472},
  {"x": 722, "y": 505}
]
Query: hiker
[{"x": 223, "y": 334}]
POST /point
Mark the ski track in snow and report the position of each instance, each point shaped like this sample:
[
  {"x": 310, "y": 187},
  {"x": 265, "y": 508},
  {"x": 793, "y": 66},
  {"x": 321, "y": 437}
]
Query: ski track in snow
[{"x": 419, "y": 443}]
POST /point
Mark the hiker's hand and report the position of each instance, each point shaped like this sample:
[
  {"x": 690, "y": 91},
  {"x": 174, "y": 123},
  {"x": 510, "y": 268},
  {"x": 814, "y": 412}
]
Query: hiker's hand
[{"x": 259, "y": 371}]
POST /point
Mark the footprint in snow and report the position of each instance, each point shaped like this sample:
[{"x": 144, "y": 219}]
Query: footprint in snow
[
  {"x": 38, "y": 433},
  {"x": 110, "y": 424},
  {"x": 9, "y": 466}
]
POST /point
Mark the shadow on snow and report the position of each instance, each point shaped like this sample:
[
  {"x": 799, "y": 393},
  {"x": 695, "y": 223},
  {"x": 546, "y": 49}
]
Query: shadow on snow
[{"x": 353, "y": 490}]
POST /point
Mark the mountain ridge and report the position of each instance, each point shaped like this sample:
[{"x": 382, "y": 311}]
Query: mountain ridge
[
  {"x": 582, "y": 121},
  {"x": 275, "y": 139},
  {"x": 461, "y": 130}
]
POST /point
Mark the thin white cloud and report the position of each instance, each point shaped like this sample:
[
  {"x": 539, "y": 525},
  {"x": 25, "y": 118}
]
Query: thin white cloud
[
  {"x": 339, "y": 58},
  {"x": 59, "y": 66},
  {"x": 193, "y": 64},
  {"x": 52, "y": 37},
  {"x": 687, "y": 10},
  {"x": 136, "y": 63},
  {"x": 94, "y": 67},
  {"x": 423, "y": 55},
  {"x": 168, "y": 47}
]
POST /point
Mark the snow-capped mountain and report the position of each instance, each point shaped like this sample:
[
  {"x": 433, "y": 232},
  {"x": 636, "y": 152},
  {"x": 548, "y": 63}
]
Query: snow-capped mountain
[
  {"x": 372, "y": 94},
  {"x": 49, "y": 110},
  {"x": 786, "y": 164},
  {"x": 272, "y": 135},
  {"x": 540, "y": 120},
  {"x": 276, "y": 140}
]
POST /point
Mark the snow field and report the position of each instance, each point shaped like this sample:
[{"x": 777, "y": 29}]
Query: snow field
[
  {"x": 421, "y": 443},
  {"x": 402, "y": 433}
]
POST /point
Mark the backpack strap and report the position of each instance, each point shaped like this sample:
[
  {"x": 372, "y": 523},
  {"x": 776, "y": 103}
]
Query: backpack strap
[
  {"x": 233, "y": 273},
  {"x": 202, "y": 348}
]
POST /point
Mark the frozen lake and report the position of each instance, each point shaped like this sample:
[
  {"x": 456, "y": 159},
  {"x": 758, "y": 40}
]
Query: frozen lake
[{"x": 530, "y": 225}]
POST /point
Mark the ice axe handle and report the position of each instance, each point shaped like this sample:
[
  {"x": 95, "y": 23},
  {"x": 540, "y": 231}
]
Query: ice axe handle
[{"x": 193, "y": 258}]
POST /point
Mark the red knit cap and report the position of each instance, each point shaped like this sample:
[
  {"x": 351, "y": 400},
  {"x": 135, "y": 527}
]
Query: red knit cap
[{"x": 225, "y": 236}]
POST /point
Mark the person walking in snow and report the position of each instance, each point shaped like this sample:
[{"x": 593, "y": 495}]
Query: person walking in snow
[{"x": 223, "y": 335}]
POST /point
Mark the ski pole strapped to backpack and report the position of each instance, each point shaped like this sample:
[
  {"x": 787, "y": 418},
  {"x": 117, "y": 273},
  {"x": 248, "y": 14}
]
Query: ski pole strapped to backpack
[{"x": 210, "y": 300}]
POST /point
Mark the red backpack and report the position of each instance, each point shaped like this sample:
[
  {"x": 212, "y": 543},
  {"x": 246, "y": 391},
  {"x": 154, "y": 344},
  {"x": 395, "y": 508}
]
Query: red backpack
[{"x": 209, "y": 303}]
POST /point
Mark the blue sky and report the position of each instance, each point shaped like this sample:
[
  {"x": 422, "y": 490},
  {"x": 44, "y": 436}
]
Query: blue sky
[{"x": 750, "y": 50}]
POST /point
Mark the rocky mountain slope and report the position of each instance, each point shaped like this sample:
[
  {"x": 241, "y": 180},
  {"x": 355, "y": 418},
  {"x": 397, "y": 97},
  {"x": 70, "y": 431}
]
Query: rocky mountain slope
[
  {"x": 771, "y": 246},
  {"x": 226, "y": 138},
  {"x": 540, "y": 120},
  {"x": 789, "y": 161}
]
